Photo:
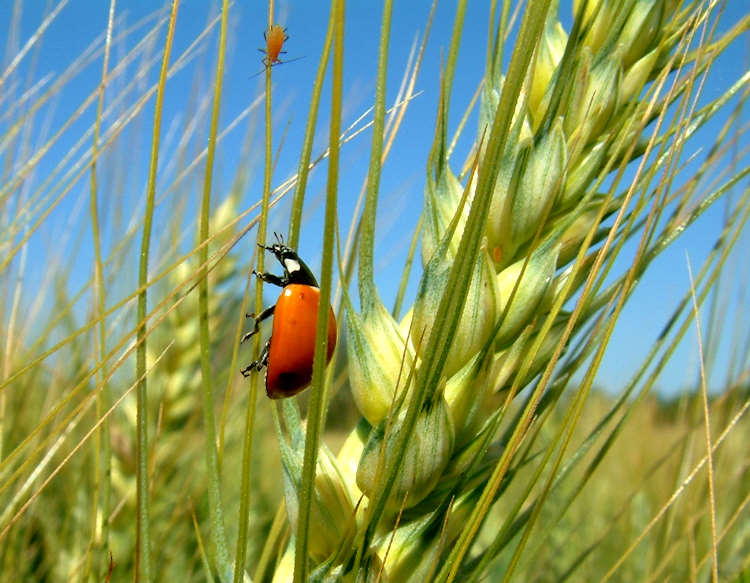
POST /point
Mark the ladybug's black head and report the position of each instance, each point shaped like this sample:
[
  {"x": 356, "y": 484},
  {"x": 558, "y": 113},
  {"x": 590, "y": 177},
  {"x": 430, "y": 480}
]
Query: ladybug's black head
[{"x": 295, "y": 270}]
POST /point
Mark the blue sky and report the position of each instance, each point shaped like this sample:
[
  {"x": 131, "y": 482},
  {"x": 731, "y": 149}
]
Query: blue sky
[{"x": 80, "y": 22}]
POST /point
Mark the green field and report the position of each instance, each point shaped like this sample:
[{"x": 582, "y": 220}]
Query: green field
[{"x": 460, "y": 431}]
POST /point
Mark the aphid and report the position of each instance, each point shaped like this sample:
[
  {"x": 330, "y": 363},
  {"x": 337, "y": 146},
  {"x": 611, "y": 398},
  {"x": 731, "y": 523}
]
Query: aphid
[
  {"x": 275, "y": 37},
  {"x": 288, "y": 355}
]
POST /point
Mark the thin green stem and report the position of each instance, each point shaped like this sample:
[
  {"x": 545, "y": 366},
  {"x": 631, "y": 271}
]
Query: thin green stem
[
  {"x": 303, "y": 169},
  {"x": 314, "y": 416},
  {"x": 247, "y": 444},
  {"x": 367, "y": 290},
  {"x": 407, "y": 270},
  {"x": 245, "y": 486},
  {"x": 143, "y": 540},
  {"x": 450, "y": 66},
  {"x": 707, "y": 427},
  {"x": 218, "y": 538},
  {"x": 102, "y": 445}
]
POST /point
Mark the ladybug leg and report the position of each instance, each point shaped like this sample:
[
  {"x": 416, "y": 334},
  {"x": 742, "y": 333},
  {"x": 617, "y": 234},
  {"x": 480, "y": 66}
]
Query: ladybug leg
[
  {"x": 265, "y": 314},
  {"x": 259, "y": 364},
  {"x": 270, "y": 278}
]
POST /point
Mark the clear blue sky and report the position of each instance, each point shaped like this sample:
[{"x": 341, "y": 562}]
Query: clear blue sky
[{"x": 82, "y": 21}]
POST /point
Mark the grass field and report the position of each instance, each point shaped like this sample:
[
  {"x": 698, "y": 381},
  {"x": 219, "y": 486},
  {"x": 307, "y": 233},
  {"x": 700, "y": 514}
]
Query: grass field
[{"x": 460, "y": 433}]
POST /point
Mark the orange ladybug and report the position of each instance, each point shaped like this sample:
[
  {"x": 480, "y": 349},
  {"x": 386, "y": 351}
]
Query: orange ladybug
[
  {"x": 288, "y": 355},
  {"x": 275, "y": 37}
]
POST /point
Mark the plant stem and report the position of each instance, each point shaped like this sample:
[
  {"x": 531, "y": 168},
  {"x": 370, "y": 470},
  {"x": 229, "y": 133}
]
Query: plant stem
[
  {"x": 143, "y": 542},
  {"x": 103, "y": 446},
  {"x": 314, "y": 416},
  {"x": 218, "y": 538}
]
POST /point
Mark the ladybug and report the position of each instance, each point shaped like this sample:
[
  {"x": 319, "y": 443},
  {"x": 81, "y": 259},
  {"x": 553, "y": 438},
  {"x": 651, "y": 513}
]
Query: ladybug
[{"x": 288, "y": 355}]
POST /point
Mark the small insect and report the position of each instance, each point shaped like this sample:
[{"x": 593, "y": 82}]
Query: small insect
[
  {"x": 288, "y": 355},
  {"x": 275, "y": 37}
]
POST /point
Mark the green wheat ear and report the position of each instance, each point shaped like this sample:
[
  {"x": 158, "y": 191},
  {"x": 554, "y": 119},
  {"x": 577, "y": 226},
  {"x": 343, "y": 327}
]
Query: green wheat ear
[{"x": 583, "y": 102}]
